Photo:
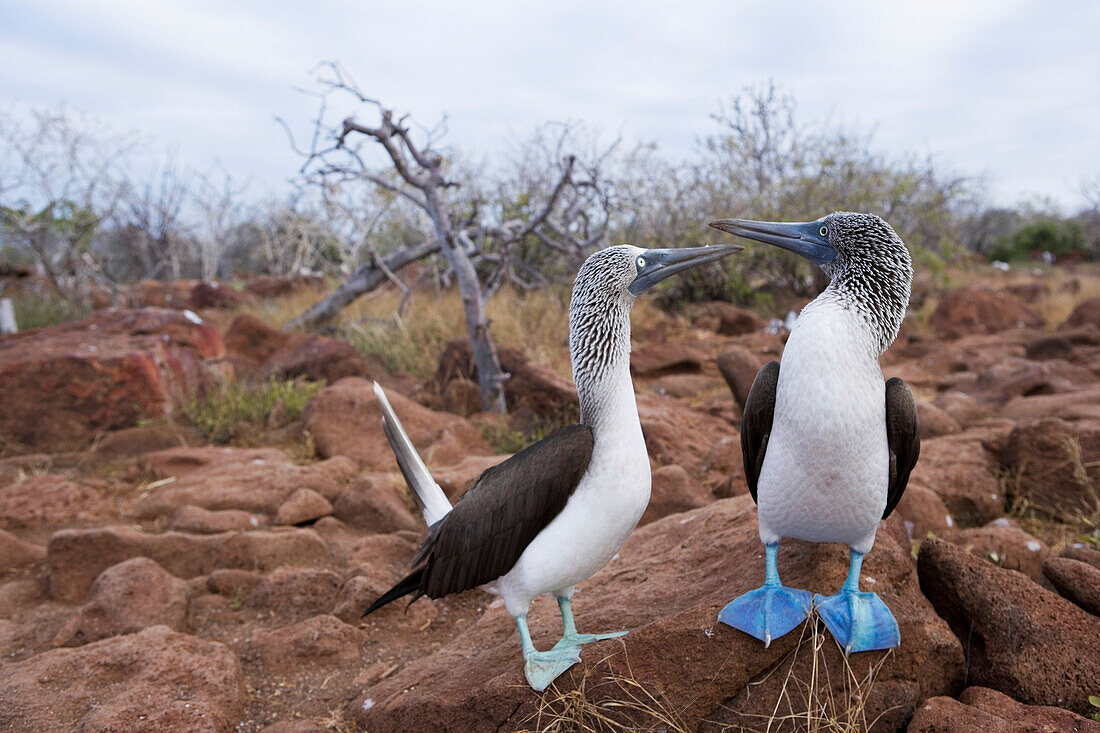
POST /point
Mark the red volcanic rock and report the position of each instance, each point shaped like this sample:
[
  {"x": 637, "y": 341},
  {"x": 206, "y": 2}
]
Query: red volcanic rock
[
  {"x": 76, "y": 556},
  {"x": 271, "y": 286},
  {"x": 1085, "y": 314},
  {"x": 707, "y": 447},
  {"x": 658, "y": 359},
  {"x": 988, "y": 711},
  {"x": 977, "y": 310},
  {"x": 1056, "y": 463},
  {"x": 1013, "y": 377},
  {"x": 1004, "y": 544},
  {"x": 667, "y": 586},
  {"x": 126, "y": 598},
  {"x": 1076, "y": 581},
  {"x": 212, "y": 294},
  {"x": 255, "y": 480},
  {"x": 345, "y": 420},
  {"x": 304, "y": 505},
  {"x": 49, "y": 499},
  {"x": 739, "y": 367},
  {"x": 1083, "y": 404},
  {"x": 161, "y": 294},
  {"x": 259, "y": 351},
  {"x": 1049, "y": 347},
  {"x": 456, "y": 478},
  {"x": 65, "y": 383},
  {"x": 372, "y": 504},
  {"x": 136, "y": 441},
  {"x": 923, "y": 511},
  {"x": 725, "y": 319},
  {"x": 232, "y": 582},
  {"x": 1085, "y": 555},
  {"x": 361, "y": 590},
  {"x": 1020, "y": 638},
  {"x": 196, "y": 520},
  {"x": 673, "y": 492},
  {"x": 317, "y": 641},
  {"x": 15, "y": 553},
  {"x": 296, "y": 593},
  {"x": 155, "y": 680},
  {"x": 532, "y": 391},
  {"x": 963, "y": 408},
  {"x": 962, "y": 471},
  {"x": 934, "y": 421}
]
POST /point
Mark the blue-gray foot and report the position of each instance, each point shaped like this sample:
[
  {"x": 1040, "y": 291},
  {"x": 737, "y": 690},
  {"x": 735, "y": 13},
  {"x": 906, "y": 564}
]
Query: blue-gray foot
[
  {"x": 860, "y": 622},
  {"x": 542, "y": 668},
  {"x": 570, "y": 636},
  {"x": 771, "y": 610}
]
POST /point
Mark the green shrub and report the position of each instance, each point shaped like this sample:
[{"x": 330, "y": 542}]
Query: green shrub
[
  {"x": 36, "y": 310},
  {"x": 219, "y": 413},
  {"x": 1059, "y": 237}
]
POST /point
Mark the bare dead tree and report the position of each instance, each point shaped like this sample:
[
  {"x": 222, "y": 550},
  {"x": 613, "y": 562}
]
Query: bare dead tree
[
  {"x": 482, "y": 240},
  {"x": 149, "y": 225},
  {"x": 63, "y": 180},
  {"x": 219, "y": 201}
]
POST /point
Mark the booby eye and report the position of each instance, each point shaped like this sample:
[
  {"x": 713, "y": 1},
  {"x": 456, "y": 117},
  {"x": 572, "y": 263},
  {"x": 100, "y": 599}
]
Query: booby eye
[
  {"x": 641, "y": 263},
  {"x": 823, "y": 231}
]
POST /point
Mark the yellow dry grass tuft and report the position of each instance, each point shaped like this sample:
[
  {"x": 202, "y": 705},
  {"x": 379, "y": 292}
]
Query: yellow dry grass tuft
[
  {"x": 811, "y": 705},
  {"x": 631, "y": 706},
  {"x": 536, "y": 324},
  {"x": 1057, "y": 526}
]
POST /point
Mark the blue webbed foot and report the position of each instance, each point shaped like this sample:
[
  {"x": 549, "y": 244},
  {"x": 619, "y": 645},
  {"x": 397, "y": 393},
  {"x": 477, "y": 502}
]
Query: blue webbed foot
[
  {"x": 570, "y": 637},
  {"x": 542, "y": 668},
  {"x": 768, "y": 612},
  {"x": 860, "y": 622}
]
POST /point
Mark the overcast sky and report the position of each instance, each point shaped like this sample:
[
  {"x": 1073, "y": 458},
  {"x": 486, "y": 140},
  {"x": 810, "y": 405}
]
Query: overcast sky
[{"x": 1007, "y": 89}]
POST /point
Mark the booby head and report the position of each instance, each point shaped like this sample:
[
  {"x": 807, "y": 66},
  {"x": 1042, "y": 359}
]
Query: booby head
[
  {"x": 624, "y": 272},
  {"x": 866, "y": 261},
  {"x": 606, "y": 287}
]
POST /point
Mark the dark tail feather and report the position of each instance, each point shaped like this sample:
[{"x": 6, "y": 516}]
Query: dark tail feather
[{"x": 409, "y": 584}]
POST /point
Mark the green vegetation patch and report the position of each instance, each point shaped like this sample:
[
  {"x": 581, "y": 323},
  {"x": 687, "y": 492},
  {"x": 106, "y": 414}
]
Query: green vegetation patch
[
  {"x": 218, "y": 414},
  {"x": 37, "y": 310}
]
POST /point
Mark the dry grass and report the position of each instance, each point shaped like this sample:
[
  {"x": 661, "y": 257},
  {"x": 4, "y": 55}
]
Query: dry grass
[
  {"x": 807, "y": 705},
  {"x": 1058, "y": 526},
  {"x": 630, "y": 707},
  {"x": 810, "y": 705},
  {"x": 1067, "y": 289},
  {"x": 537, "y": 324}
]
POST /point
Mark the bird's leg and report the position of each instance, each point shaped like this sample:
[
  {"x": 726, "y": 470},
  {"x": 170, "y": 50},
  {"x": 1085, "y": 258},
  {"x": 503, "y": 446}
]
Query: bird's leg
[
  {"x": 771, "y": 610},
  {"x": 542, "y": 668},
  {"x": 860, "y": 622},
  {"x": 569, "y": 636}
]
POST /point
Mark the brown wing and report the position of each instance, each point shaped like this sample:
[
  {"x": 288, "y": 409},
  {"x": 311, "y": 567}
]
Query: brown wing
[
  {"x": 756, "y": 422},
  {"x": 494, "y": 521},
  {"x": 903, "y": 437}
]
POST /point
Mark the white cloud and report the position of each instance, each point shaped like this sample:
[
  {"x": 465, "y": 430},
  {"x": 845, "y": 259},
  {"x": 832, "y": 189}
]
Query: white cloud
[{"x": 1009, "y": 89}]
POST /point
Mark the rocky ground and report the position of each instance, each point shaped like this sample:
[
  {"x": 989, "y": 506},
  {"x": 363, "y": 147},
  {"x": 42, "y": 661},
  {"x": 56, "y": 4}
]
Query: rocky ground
[{"x": 152, "y": 581}]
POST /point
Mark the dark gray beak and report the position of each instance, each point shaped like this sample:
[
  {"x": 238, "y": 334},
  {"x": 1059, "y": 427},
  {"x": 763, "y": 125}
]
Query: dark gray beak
[
  {"x": 809, "y": 239},
  {"x": 654, "y": 265}
]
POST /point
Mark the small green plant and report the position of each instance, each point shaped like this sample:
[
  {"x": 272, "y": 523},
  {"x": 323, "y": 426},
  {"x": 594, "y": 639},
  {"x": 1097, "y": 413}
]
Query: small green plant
[
  {"x": 37, "y": 310},
  {"x": 503, "y": 438},
  {"x": 1059, "y": 237},
  {"x": 1094, "y": 700},
  {"x": 219, "y": 413},
  {"x": 237, "y": 599}
]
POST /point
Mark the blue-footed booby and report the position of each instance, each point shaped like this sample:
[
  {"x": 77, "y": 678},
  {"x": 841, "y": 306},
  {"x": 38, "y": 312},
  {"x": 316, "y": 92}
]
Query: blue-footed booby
[
  {"x": 555, "y": 513},
  {"x": 827, "y": 445}
]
